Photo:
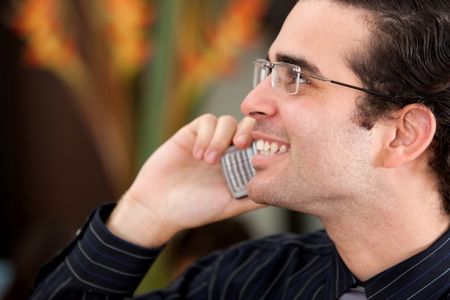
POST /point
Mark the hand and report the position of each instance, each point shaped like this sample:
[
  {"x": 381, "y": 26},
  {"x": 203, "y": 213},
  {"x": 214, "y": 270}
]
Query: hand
[{"x": 181, "y": 185}]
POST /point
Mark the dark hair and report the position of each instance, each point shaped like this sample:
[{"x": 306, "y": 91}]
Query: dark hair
[{"x": 407, "y": 56}]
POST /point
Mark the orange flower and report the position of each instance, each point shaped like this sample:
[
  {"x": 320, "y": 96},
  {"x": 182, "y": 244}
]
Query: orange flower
[
  {"x": 40, "y": 23},
  {"x": 126, "y": 23},
  {"x": 50, "y": 44},
  {"x": 235, "y": 30}
]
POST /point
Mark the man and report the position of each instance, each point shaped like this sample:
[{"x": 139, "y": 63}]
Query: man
[{"x": 352, "y": 107}]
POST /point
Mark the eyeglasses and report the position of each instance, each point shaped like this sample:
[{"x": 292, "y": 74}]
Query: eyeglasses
[{"x": 289, "y": 77}]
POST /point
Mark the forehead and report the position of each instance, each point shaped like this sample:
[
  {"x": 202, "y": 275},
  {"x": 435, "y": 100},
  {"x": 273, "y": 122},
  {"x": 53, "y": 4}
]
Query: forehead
[{"x": 323, "y": 33}]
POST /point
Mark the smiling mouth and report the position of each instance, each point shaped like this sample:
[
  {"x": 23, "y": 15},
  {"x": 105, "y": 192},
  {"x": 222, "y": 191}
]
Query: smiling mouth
[{"x": 267, "y": 148}]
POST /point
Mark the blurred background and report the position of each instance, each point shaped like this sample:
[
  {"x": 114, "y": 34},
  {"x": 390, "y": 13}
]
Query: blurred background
[{"x": 89, "y": 88}]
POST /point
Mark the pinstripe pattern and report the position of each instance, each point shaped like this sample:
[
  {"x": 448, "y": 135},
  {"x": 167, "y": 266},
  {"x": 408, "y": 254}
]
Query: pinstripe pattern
[
  {"x": 52, "y": 296},
  {"x": 237, "y": 271},
  {"x": 279, "y": 275},
  {"x": 255, "y": 273},
  {"x": 101, "y": 266}
]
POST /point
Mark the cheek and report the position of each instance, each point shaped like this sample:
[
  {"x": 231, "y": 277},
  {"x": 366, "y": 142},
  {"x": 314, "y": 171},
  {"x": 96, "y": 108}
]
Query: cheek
[
  {"x": 327, "y": 147},
  {"x": 322, "y": 135},
  {"x": 310, "y": 127},
  {"x": 317, "y": 149}
]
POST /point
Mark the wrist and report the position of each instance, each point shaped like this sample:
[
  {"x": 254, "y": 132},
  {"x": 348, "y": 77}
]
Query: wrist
[{"x": 137, "y": 224}]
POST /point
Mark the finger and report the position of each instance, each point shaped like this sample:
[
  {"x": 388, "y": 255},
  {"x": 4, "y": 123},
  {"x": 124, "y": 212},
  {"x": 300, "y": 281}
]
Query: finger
[
  {"x": 237, "y": 207},
  {"x": 221, "y": 140},
  {"x": 243, "y": 136},
  {"x": 205, "y": 127}
]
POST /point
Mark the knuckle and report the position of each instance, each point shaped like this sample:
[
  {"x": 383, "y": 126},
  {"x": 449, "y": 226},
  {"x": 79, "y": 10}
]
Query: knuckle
[
  {"x": 219, "y": 145},
  {"x": 228, "y": 119},
  {"x": 209, "y": 117}
]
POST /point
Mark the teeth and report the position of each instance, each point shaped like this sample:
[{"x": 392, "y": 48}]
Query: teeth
[
  {"x": 260, "y": 145},
  {"x": 270, "y": 148},
  {"x": 273, "y": 148}
]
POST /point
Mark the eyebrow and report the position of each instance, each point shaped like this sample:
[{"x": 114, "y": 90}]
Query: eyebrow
[{"x": 303, "y": 63}]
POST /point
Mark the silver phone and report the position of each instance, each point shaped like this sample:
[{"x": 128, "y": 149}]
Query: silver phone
[{"x": 237, "y": 169}]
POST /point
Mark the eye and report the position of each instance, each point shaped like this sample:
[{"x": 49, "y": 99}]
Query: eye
[
  {"x": 287, "y": 74},
  {"x": 294, "y": 76},
  {"x": 304, "y": 78}
]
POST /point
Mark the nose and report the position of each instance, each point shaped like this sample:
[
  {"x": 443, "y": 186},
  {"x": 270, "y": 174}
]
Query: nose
[{"x": 260, "y": 102}]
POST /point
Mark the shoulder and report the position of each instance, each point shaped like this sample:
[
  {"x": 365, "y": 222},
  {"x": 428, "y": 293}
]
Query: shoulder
[
  {"x": 246, "y": 267},
  {"x": 252, "y": 264},
  {"x": 299, "y": 247}
]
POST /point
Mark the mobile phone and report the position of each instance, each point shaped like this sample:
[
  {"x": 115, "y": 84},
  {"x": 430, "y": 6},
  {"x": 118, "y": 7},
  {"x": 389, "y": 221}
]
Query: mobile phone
[{"x": 237, "y": 169}]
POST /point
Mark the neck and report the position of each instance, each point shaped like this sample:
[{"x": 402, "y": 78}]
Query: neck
[{"x": 372, "y": 242}]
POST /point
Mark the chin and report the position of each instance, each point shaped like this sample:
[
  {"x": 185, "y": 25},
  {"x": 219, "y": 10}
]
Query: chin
[{"x": 254, "y": 193}]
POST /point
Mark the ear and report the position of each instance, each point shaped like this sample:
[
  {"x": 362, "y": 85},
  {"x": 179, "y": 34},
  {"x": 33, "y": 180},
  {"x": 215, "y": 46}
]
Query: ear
[{"x": 414, "y": 129}]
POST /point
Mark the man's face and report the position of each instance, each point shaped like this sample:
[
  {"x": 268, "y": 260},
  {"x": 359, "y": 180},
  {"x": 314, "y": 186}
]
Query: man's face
[{"x": 330, "y": 161}]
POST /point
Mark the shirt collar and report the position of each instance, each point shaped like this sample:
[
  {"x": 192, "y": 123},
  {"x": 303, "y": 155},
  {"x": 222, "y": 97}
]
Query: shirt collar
[
  {"x": 414, "y": 275},
  {"x": 344, "y": 279}
]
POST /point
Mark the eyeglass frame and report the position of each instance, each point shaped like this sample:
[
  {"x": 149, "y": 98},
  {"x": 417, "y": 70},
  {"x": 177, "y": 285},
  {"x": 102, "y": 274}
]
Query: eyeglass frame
[{"x": 299, "y": 79}]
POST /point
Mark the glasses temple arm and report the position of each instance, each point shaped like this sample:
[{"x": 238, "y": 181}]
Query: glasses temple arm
[
  {"x": 360, "y": 89},
  {"x": 350, "y": 86}
]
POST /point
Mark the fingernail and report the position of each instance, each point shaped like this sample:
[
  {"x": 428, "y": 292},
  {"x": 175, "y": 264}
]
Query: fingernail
[{"x": 211, "y": 157}]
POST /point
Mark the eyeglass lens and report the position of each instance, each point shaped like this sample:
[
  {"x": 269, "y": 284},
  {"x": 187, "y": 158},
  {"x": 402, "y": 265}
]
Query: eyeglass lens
[
  {"x": 261, "y": 71},
  {"x": 283, "y": 75}
]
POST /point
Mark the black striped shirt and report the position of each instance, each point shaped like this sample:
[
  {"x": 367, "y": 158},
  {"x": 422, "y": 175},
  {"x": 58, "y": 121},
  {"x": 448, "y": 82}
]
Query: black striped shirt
[{"x": 98, "y": 265}]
